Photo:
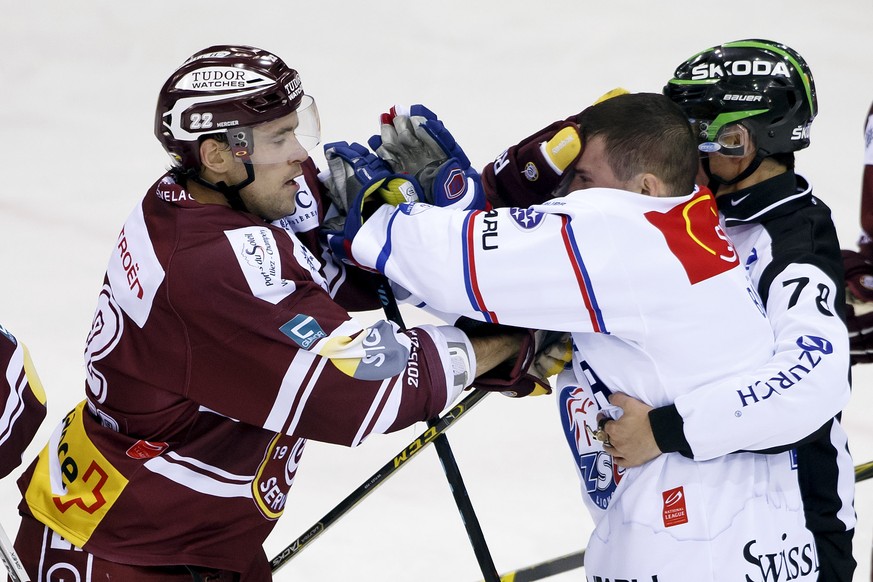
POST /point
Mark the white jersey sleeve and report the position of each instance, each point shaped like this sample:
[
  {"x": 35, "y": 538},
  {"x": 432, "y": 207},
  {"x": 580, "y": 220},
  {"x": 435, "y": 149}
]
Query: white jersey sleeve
[
  {"x": 809, "y": 365},
  {"x": 596, "y": 261},
  {"x": 490, "y": 265}
]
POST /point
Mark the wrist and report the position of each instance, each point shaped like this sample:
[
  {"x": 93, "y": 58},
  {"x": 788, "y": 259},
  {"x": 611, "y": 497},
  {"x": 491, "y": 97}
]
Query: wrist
[{"x": 668, "y": 430}]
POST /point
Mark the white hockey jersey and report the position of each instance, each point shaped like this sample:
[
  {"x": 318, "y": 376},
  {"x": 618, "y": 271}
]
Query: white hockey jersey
[{"x": 658, "y": 305}]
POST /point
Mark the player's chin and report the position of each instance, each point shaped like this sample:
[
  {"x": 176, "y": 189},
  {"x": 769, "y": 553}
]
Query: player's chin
[
  {"x": 289, "y": 197},
  {"x": 291, "y": 185}
]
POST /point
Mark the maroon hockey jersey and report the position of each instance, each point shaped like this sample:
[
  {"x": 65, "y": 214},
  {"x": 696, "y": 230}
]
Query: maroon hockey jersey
[
  {"x": 218, "y": 348},
  {"x": 22, "y": 398}
]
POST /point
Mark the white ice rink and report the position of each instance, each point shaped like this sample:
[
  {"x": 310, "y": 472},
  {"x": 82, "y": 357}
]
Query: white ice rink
[{"x": 79, "y": 84}]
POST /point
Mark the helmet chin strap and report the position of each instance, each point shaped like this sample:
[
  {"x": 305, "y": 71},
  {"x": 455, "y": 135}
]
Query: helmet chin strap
[
  {"x": 715, "y": 181},
  {"x": 231, "y": 193}
]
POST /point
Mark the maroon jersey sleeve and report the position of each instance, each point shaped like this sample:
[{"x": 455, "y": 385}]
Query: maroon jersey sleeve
[
  {"x": 866, "y": 243},
  {"x": 270, "y": 347},
  {"x": 23, "y": 401}
]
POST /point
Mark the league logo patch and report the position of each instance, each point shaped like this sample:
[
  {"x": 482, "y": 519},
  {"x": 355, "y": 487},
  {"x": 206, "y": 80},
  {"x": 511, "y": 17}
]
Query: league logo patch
[
  {"x": 526, "y": 218},
  {"x": 674, "y": 512},
  {"x": 304, "y": 330},
  {"x": 142, "y": 449}
]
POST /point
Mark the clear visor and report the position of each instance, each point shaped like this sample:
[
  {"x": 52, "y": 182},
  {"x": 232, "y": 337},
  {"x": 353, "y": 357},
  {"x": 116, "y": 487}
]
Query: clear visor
[
  {"x": 285, "y": 139},
  {"x": 729, "y": 140}
]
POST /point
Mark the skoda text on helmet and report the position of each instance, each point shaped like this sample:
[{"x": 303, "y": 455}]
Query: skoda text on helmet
[
  {"x": 763, "y": 85},
  {"x": 224, "y": 91}
]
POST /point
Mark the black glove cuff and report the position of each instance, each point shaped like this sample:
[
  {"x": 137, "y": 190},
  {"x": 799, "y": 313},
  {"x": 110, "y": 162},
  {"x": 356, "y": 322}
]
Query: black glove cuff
[{"x": 668, "y": 429}]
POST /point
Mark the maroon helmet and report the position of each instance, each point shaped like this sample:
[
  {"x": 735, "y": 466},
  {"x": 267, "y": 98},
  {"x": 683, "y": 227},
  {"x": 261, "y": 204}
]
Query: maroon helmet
[{"x": 227, "y": 89}]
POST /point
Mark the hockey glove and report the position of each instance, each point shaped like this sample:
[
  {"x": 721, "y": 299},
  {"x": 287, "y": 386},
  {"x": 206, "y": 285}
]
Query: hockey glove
[
  {"x": 554, "y": 350},
  {"x": 539, "y": 167},
  {"x": 358, "y": 182},
  {"x": 514, "y": 378},
  {"x": 531, "y": 171},
  {"x": 859, "y": 308},
  {"x": 415, "y": 142}
]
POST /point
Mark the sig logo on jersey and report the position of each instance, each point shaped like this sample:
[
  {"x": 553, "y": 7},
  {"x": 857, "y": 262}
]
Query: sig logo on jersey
[
  {"x": 695, "y": 237},
  {"x": 304, "y": 330}
]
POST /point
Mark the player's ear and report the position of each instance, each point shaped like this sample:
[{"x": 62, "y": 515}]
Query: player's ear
[
  {"x": 215, "y": 156},
  {"x": 650, "y": 185}
]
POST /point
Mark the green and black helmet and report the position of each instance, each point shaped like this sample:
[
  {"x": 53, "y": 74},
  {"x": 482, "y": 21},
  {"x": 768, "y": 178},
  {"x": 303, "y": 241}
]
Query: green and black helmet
[{"x": 764, "y": 85}]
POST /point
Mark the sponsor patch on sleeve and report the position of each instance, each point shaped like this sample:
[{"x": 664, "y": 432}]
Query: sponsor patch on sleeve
[
  {"x": 258, "y": 256},
  {"x": 304, "y": 330}
]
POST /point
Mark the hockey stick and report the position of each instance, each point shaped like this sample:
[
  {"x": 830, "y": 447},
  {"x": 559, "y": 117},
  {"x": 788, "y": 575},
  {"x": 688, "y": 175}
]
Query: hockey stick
[
  {"x": 379, "y": 477},
  {"x": 575, "y": 560},
  {"x": 542, "y": 570},
  {"x": 863, "y": 471},
  {"x": 11, "y": 560},
  {"x": 450, "y": 465}
]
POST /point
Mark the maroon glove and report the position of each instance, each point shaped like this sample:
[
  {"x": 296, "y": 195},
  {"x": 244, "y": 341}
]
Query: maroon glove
[
  {"x": 511, "y": 378},
  {"x": 530, "y": 172},
  {"x": 859, "y": 308}
]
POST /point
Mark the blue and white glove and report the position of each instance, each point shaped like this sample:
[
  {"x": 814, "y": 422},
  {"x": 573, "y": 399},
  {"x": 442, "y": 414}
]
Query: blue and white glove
[
  {"x": 358, "y": 182},
  {"x": 413, "y": 141}
]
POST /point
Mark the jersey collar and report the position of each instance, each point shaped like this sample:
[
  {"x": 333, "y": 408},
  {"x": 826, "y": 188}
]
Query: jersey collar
[{"x": 780, "y": 195}]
